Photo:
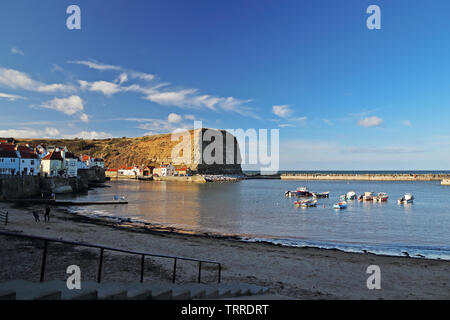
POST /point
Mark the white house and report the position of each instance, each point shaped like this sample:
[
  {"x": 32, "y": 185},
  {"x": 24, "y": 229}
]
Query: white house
[
  {"x": 52, "y": 164},
  {"x": 129, "y": 171},
  {"x": 164, "y": 170},
  {"x": 70, "y": 164}
]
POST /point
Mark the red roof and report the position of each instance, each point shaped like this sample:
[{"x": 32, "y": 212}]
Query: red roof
[
  {"x": 53, "y": 156},
  {"x": 85, "y": 158},
  {"x": 112, "y": 170},
  {"x": 181, "y": 169}
]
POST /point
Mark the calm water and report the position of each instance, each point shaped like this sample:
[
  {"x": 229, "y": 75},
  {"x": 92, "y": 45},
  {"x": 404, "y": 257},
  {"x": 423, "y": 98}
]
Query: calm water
[{"x": 258, "y": 209}]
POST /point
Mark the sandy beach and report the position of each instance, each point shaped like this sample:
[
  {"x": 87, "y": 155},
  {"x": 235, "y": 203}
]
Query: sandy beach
[{"x": 302, "y": 273}]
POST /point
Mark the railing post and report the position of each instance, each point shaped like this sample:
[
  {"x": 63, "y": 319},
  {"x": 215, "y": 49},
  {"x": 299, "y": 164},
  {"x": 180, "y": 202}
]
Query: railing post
[
  {"x": 142, "y": 268},
  {"x": 174, "y": 269},
  {"x": 220, "y": 269},
  {"x": 99, "y": 276},
  {"x": 199, "y": 271},
  {"x": 44, "y": 258}
]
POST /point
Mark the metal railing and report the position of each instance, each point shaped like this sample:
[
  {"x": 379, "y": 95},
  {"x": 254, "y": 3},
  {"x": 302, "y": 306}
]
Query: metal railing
[
  {"x": 103, "y": 248},
  {"x": 4, "y": 217}
]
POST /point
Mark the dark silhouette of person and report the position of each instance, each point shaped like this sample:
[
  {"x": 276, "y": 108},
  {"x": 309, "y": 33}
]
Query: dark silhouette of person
[
  {"x": 36, "y": 216},
  {"x": 47, "y": 214}
]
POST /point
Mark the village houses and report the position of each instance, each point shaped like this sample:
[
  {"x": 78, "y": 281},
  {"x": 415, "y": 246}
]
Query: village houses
[{"x": 41, "y": 160}]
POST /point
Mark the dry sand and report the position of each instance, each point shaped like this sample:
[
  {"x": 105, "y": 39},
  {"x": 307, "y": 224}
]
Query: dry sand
[{"x": 304, "y": 273}]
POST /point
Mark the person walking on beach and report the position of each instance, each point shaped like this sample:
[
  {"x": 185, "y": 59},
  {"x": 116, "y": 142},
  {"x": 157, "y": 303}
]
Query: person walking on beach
[
  {"x": 36, "y": 216},
  {"x": 47, "y": 214}
]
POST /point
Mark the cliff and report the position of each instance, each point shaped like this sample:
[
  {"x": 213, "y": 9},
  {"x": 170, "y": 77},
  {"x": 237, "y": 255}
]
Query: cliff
[{"x": 157, "y": 149}]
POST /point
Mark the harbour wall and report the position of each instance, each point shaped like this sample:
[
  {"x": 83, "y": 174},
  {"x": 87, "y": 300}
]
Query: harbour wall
[
  {"x": 367, "y": 177},
  {"x": 17, "y": 187}
]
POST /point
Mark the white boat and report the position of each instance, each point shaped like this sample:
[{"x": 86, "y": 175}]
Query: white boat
[
  {"x": 340, "y": 205},
  {"x": 407, "y": 198},
  {"x": 381, "y": 197},
  {"x": 368, "y": 196},
  {"x": 350, "y": 195},
  {"x": 306, "y": 203}
]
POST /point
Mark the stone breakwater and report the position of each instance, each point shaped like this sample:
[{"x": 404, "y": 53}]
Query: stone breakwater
[{"x": 366, "y": 177}]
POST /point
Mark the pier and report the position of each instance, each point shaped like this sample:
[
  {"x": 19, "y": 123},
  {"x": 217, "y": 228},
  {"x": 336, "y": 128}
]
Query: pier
[{"x": 367, "y": 177}]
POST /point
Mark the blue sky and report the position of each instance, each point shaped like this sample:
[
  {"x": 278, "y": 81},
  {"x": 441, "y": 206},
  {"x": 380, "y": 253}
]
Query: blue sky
[{"x": 342, "y": 96}]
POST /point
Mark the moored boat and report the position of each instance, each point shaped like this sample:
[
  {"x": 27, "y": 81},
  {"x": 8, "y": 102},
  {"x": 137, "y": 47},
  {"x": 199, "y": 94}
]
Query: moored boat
[
  {"x": 303, "y": 192},
  {"x": 407, "y": 198},
  {"x": 350, "y": 195},
  {"x": 381, "y": 197},
  {"x": 340, "y": 205},
  {"x": 368, "y": 196},
  {"x": 321, "y": 194},
  {"x": 306, "y": 203}
]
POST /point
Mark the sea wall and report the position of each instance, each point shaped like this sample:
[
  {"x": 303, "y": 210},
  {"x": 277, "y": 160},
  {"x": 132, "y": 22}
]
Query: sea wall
[
  {"x": 196, "y": 178},
  {"x": 16, "y": 187},
  {"x": 366, "y": 177}
]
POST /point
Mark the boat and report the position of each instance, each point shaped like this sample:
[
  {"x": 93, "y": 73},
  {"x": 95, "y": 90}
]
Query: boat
[
  {"x": 360, "y": 198},
  {"x": 381, "y": 197},
  {"x": 407, "y": 198},
  {"x": 342, "y": 197},
  {"x": 303, "y": 192},
  {"x": 368, "y": 196},
  {"x": 306, "y": 203},
  {"x": 340, "y": 205},
  {"x": 350, "y": 195},
  {"x": 290, "y": 193},
  {"x": 321, "y": 194}
]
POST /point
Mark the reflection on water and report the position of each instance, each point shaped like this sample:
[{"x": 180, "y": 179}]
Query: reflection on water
[{"x": 260, "y": 209}]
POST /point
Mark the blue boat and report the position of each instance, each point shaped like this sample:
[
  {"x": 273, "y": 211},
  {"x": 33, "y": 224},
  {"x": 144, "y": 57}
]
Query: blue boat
[{"x": 340, "y": 205}]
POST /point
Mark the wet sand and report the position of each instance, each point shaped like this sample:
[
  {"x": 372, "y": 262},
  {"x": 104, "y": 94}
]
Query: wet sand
[{"x": 302, "y": 273}]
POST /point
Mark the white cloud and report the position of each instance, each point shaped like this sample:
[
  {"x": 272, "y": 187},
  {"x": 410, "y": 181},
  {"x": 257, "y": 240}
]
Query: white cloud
[
  {"x": 122, "y": 78},
  {"x": 174, "y": 118},
  {"x": 105, "y": 87},
  {"x": 72, "y": 105},
  {"x": 88, "y": 135},
  {"x": 10, "y": 97},
  {"x": 370, "y": 122},
  {"x": 182, "y": 98},
  {"x": 282, "y": 111},
  {"x": 30, "y": 133},
  {"x": 19, "y": 80},
  {"x": 84, "y": 117},
  {"x": 15, "y": 50},
  {"x": 286, "y": 125},
  {"x": 96, "y": 65}
]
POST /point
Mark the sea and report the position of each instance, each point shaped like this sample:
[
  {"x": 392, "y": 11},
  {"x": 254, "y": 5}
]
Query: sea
[{"x": 257, "y": 210}]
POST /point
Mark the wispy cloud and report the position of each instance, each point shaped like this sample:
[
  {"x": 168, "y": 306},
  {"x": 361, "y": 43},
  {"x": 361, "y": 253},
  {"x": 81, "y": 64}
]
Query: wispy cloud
[
  {"x": 282, "y": 111},
  {"x": 30, "y": 133},
  {"x": 19, "y": 80},
  {"x": 369, "y": 122},
  {"x": 160, "y": 92},
  {"x": 16, "y": 50},
  {"x": 10, "y": 97},
  {"x": 407, "y": 123}
]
